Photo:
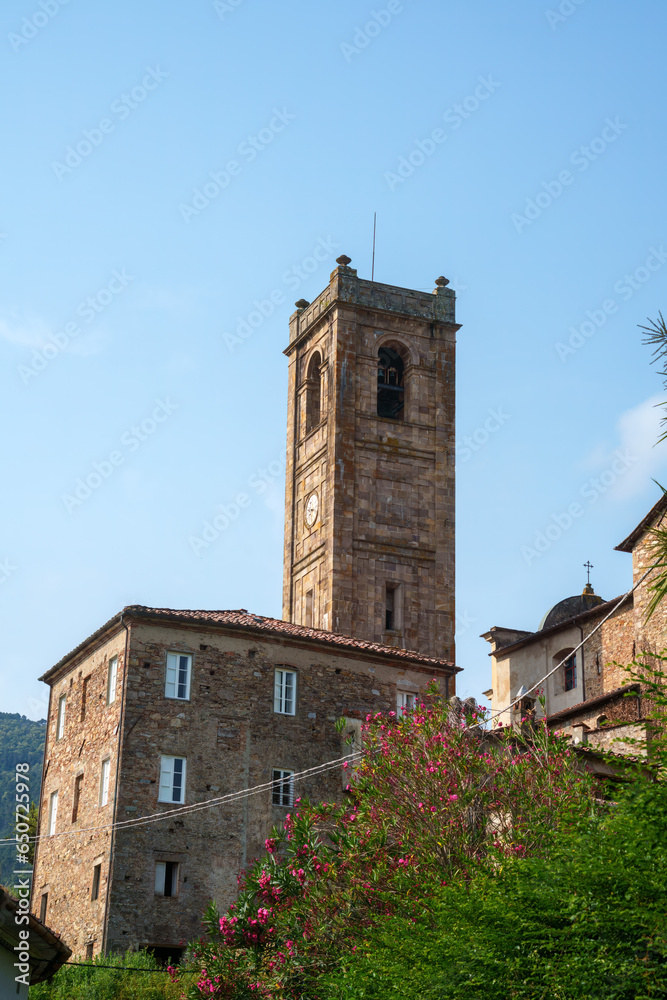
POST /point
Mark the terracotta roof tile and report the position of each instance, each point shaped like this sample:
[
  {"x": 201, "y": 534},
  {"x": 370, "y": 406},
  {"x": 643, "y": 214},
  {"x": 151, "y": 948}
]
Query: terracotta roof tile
[{"x": 242, "y": 619}]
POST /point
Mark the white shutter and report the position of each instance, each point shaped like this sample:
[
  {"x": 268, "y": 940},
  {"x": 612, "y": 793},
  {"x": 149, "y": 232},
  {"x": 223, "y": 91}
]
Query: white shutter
[
  {"x": 288, "y": 681},
  {"x": 160, "y": 871},
  {"x": 53, "y": 813},
  {"x": 278, "y": 692},
  {"x": 166, "y": 779},
  {"x": 111, "y": 682},
  {"x": 61, "y": 717},
  {"x": 104, "y": 782},
  {"x": 172, "y": 675}
]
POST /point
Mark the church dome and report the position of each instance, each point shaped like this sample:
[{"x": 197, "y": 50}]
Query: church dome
[{"x": 569, "y": 607}]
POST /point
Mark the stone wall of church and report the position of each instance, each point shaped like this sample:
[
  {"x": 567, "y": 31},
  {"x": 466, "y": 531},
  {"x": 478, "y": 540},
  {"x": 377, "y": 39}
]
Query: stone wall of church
[{"x": 384, "y": 487}]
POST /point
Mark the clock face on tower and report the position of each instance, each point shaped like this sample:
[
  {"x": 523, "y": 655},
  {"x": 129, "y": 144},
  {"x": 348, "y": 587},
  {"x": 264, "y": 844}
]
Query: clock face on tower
[{"x": 312, "y": 507}]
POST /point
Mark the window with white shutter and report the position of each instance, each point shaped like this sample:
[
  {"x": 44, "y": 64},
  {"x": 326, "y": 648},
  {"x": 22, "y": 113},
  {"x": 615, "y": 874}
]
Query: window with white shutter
[
  {"x": 405, "y": 702},
  {"x": 53, "y": 812},
  {"x": 112, "y": 677},
  {"x": 104, "y": 781},
  {"x": 283, "y": 787},
  {"x": 177, "y": 681},
  {"x": 284, "y": 691},
  {"x": 166, "y": 878},
  {"x": 60, "y": 731},
  {"x": 172, "y": 779}
]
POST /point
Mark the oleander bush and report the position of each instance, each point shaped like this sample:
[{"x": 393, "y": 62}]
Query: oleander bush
[{"x": 436, "y": 809}]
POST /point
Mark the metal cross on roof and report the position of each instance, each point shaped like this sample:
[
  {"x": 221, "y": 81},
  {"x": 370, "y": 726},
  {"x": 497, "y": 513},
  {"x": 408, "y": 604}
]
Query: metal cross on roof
[{"x": 588, "y": 566}]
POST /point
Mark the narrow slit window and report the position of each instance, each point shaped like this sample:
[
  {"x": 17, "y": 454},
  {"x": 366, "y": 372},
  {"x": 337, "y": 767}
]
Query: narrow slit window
[
  {"x": 308, "y": 615},
  {"x": 84, "y": 696},
  {"x": 43, "y": 906},
  {"x": 104, "y": 781},
  {"x": 76, "y": 798},
  {"x": 53, "y": 813},
  {"x": 60, "y": 730},
  {"x": 95, "y": 888},
  {"x": 112, "y": 677}
]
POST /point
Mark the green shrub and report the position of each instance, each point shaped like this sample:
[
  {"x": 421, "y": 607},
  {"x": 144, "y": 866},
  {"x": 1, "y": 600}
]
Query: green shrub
[{"x": 91, "y": 981}]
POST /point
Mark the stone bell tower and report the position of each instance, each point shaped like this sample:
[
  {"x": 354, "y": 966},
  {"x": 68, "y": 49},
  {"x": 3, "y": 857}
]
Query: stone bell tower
[{"x": 369, "y": 506}]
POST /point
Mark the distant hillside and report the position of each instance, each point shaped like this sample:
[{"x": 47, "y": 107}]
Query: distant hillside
[{"x": 21, "y": 741}]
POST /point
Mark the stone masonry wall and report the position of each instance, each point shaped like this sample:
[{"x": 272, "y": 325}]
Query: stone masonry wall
[
  {"x": 385, "y": 487},
  {"x": 231, "y": 738},
  {"x": 64, "y": 864}
]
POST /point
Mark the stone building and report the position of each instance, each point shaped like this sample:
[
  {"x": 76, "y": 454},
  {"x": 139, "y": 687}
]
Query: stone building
[
  {"x": 369, "y": 513},
  {"x": 161, "y": 709},
  {"x": 590, "y": 696}
]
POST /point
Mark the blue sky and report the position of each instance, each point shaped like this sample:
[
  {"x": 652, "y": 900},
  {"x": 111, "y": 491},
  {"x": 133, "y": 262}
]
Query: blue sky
[{"x": 542, "y": 201}]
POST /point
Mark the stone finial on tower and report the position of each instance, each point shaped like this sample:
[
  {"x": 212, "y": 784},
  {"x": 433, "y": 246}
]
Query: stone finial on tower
[
  {"x": 344, "y": 260},
  {"x": 302, "y": 303}
]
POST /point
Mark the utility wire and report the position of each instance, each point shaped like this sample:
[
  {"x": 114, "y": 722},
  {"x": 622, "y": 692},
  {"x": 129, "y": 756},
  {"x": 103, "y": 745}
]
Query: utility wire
[
  {"x": 572, "y": 651},
  {"x": 171, "y": 814},
  {"x": 231, "y": 797}
]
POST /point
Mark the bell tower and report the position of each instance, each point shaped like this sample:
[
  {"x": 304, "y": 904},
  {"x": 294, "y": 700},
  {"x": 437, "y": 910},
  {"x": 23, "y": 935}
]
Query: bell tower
[{"x": 369, "y": 506}]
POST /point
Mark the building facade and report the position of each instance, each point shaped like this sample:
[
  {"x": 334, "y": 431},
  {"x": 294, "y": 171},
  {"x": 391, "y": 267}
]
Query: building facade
[
  {"x": 590, "y": 696},
  {"x": 369, "y": 507},
  {"x": 161, "y": 710}
]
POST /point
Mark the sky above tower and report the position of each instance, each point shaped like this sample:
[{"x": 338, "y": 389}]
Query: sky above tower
[{"x": 177, "y": 175}]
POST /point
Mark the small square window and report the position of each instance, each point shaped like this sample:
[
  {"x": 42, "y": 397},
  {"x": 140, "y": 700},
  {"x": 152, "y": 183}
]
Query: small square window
[
  {"x": 166, "y": 878},
  {"x": 284, "y": 691},
  {"x": 60, "y": 729},
  {"x": 172, "y": 779},
  {"x": 405, "y": 702},
  {"x": 112, "y": 677},
  {"x": 283, "y": 787},
  {"x": 95, "y": 889},
  {"x": 104, "y": 781},
  {"x": 179, "y": 669}
]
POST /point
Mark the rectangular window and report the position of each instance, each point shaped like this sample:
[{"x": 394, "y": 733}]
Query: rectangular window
[
  {"x": 405, "y": 702},
  {"x": 172, "y": 779},
  {"x": 179, "y": 668},
  {"x": 43, "y": 906},
  {"x": 283, "y": 786},
  {"x": 308, "y": 616},
  {"x": 284, "y": 691},
  {"x": 166, "y": 878},
  {"x": 390, "y": 608},
  {"x": 84, "y": 696},
  {"x": 104, "y": 781},
  {"x": 570, "y": 668},
  {"x": 60, "y": 729},
  {"x": 392, "y": 614},
  {"x": 76, "y": 798},
  {"x": 89, "y": 949},
  {"x": 112, "y": 677},
  {"x": 53, "y": 813},
  {"x": 95, "y": 888}
]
